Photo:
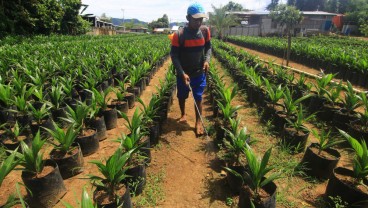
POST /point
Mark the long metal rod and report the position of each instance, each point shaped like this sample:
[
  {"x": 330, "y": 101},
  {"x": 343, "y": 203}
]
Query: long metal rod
[{"x": 199, "y": 113}]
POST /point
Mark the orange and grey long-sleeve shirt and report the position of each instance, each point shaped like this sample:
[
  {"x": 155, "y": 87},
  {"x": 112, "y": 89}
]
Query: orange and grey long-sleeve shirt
[{"x": 189, "y": 50}]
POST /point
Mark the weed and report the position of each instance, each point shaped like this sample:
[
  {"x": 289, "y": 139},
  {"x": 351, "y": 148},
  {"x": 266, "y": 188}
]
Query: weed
[
  {"x": 285, "y": 163},
  {"x": 158, "y": 146},
  {"x": 153, "y": 193},
  {"x": 229, "y": 201},
  {"x": 211, "y": 130},
  {"x": 268, "y": 129},
  {"x": 2, "y": 154},
  {"x": 282, "y": 200},
  {"x": 338, "y": 202}
]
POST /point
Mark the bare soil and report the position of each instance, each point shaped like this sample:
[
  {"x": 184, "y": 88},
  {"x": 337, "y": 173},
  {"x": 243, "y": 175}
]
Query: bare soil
[
  {"x": 103, "y": 198},
  {"x": 323, "y": 154},
  {"x": 87, "y": 133},
  {"x": 192, "y": 171},
  {"x": 57, "y": 154}
]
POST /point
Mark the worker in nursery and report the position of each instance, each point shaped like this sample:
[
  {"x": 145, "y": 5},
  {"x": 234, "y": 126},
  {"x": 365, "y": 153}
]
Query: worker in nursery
[{"x": 190, "y": 54}]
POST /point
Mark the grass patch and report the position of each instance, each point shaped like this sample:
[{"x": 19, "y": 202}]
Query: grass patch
[
  {"x": 153, "y": 193},
  {"x": 2, "y": 153}
]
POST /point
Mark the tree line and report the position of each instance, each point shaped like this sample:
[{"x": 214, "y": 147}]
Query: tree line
[{"x": 33, "y": 17}]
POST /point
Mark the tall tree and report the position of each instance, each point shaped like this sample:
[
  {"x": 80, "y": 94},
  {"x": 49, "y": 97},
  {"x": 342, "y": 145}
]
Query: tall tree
[
  {"x": 272, "y": 5},
  {"x": 105, "y": 18},
  {"x": 310, "y": 5},
  {"x": 30, "y": 17},
  {"x": 71, "y": 22},
  {"x": 221, "y": 20},
  {"x": 288, "y": 16},
  {"x": 232, "y": 6},
  {"x": 162, "y": 22},
  {"x": 48, "y": 14},
  {"x": 291, "y": 2}
]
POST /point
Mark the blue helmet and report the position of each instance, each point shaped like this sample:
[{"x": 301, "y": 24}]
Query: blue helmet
[{"x": 196, "y": 10}]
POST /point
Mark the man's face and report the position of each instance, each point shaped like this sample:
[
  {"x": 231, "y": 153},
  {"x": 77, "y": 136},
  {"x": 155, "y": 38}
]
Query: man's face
[{"x": 195, "y": 23}]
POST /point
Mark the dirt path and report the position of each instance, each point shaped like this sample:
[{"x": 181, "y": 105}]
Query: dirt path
[
  {"x": 192, "y": 175},
  {"x": 292, "y": 64}
]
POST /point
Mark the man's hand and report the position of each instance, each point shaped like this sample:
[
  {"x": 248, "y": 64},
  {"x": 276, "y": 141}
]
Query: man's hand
[
  {"x": 206, "y": 66},
  {"x": 186, "y": 79}
]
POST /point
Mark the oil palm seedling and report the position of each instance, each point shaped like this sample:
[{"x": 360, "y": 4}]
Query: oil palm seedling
[
  {"x": 57, "y": 97},
  {"x": 135, "y": 122},
  {"x": 22, "y": 107},
  {"x": 110, "y": 185},
  {"x": 360, "y": 164},
  {"x": 235, "y": 142},
  {"x": 32, "y": 157},
  {"x": 41, "y": 117},
  {"x": 332, "y": 102},
  {"x": 13, "y": 135},
  {"x": 301, "y": 86},
  {"x": 66, "y": 153},
  {"x": 8, "y": 165},
  {"x": 96, "y": 120},
  {"x": 255, "y": 90},
  {"x": 33, "y": 175},
  {"x": 351, "y": 185},
  {"x": 68, "y": 86},
  {"x": 77, "y": 117},
  {"x": 223, "y": 122},
  {"x": 228, "y": 111},
  {"x": 85, "y": 202},
  {"x": 122, "y": 102},
  {"x": 87, "y": 139},
  {"x": 6, "y": 101},
  {"x": 320, "y": 159},
  {"x": 57, "y": 102},
  {"x": 359, "y": 128},
  {"x": 318, "y": 97},
  {"x": 291, "y": 105},
  {"x": 352, "y": 100},
  {"x": 123, "y": 95},
  {"x": 227, "y": 94},
  {"x": 6, "y": 95},
  {"x": 110, "y": 114},
  {"x": 254, "y": 179},
  {"x": 18, "y": 82},
  {"x": 273, "y": 95},
  {"x": 138, "y": 142},
  {"x": 40, "y": 96},
  {"x": 295, "y": 132},
  {"x": 347, "y": 114}
]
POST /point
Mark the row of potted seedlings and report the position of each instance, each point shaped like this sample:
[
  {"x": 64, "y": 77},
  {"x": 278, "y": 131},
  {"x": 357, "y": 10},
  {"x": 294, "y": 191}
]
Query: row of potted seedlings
[
  {"x": 128, "y": 160},
  {"x": 246, "y": 173},
  {"x": 78, "y": 114},
  {"x": 331, "y": 102},
  {"x": 128, "y": 164},
  {"x": 348, "y": 61},
  {"x": 32, "y": 103},
  {"x": 290, "y": 122}
]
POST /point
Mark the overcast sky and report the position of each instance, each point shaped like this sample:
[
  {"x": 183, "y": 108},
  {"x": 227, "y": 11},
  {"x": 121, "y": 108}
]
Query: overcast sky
[{"x": 148, "y": 10}]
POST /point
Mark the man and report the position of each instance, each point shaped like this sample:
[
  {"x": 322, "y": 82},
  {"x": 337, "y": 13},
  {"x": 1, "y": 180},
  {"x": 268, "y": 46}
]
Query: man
[{"x": 190, "y": 54}]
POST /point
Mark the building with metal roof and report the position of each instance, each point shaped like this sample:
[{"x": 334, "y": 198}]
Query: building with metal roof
[{"x": 259, "y": 23}]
